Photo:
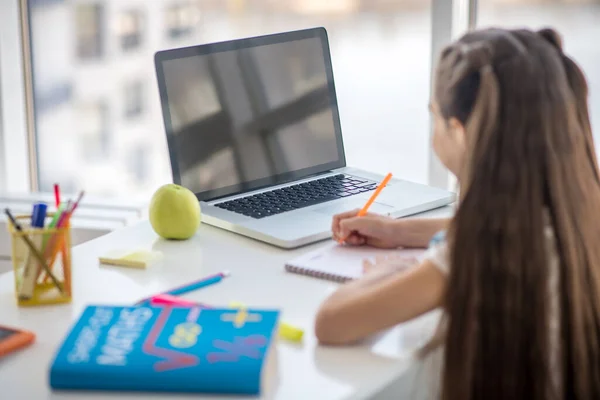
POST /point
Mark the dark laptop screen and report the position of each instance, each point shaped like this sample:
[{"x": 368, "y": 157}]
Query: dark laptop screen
[{"x": 248, "y": 116}]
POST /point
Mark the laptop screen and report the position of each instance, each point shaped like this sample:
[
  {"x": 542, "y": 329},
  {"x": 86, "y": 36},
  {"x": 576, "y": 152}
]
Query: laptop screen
[{"x": 251, "y": 113}]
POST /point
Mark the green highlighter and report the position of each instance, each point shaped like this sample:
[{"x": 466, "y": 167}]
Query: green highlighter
[{"x": 52, "y": 224}]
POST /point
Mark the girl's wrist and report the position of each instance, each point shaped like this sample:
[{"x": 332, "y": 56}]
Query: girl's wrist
[
  {"x": 416, "y": 232},
  {"x": 400, "y": 231}
]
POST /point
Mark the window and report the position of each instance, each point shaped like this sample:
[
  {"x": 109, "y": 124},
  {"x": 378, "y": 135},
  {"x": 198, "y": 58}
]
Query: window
[
  {"x": 89, "y": 30},
  {"x": 181, "y": 19},
  {"x": 85, "y": 95},
  {"x": 130, "y": 27},
  {"x": 92, "y": 123},
  {"x": 133, "y": 99},
  {"x": 138, "y": 162},
  {"x": 576, "y": 21}
]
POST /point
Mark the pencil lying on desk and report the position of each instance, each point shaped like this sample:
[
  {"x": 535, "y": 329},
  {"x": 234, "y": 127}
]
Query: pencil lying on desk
[
  {"x": 178, "y": 291},
  {"x": 363, "y": 211}
]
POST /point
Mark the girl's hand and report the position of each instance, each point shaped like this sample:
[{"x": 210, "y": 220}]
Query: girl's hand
[
  {"x": 372, "y": 229},
  {"x": 392, "y": 263}
]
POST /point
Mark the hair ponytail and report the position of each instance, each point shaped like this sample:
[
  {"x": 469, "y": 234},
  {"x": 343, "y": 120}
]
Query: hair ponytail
[
  {"x": 483, "y": 121},
  {"x": 579, "y": 89}
]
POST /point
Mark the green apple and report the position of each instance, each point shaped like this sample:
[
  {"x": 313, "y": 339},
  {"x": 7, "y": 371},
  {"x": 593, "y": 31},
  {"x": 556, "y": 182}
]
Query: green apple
[{"x": 174, "y": 212}]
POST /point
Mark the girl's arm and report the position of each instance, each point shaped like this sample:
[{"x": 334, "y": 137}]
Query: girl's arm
[
  {"x": 417, "y": 232},
  {"x": 378, "y": 301}
]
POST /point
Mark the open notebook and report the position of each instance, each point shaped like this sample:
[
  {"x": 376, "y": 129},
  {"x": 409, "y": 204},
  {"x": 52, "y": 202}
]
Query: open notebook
[{"x": 342, "y": 263}]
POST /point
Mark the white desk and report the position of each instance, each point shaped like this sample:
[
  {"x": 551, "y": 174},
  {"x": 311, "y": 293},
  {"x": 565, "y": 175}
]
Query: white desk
[{"x": 306, "y": 371}]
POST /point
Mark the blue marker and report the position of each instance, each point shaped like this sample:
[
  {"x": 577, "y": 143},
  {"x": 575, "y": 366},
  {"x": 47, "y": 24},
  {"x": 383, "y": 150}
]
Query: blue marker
[{"x": 38, "y": 216}]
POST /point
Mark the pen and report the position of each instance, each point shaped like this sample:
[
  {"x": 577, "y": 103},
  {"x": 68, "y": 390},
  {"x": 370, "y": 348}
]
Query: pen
[
  {"x": 363, "y": 211},
  {"x": 72, "y": 210},
  {"x": 64, "y": 215},
  {"x": 33, "y": 250},
  {"x": 206, "y": 281},
  {"x": 51, "y": 242},
  {"x": 60, "y": 221},
  {"x": 56, "y": 195},
  {"x": 56, "y": 241},
  {"x": 38, "y": 216},
  {"x": 209, "y": 280},
  {"x": 31, "y": 269},
  {"x": 55, "y": 218},
  {"x": 46, "y": 237},
  {"x": 66, "y": 262}
]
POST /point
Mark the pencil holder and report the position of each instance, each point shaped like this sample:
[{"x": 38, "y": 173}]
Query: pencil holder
[{"x": 41, "y": 260}]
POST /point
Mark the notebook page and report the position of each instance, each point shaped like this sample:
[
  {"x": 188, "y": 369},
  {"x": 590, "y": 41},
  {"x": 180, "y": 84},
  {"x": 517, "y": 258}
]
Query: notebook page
[{"x": 347, "y": 261}]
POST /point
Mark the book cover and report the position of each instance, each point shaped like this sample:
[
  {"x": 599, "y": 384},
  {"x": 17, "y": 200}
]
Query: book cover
[{"x": 166, "y": 349}]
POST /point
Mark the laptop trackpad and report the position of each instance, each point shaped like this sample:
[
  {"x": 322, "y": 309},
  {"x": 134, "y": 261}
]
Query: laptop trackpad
[{"x": 340, "y": 207}]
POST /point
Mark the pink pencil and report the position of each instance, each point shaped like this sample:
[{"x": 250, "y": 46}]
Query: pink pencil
[
  {"x": 77, "y": 202},
  {"x": 64, "y": 215}
]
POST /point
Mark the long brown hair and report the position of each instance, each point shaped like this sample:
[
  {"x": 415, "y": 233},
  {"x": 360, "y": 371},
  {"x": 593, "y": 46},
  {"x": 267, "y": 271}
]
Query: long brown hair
[{"x": 531, "y": 163}]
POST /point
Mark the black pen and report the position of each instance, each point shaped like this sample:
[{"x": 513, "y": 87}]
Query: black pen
[{"x": 33, "y": 250}]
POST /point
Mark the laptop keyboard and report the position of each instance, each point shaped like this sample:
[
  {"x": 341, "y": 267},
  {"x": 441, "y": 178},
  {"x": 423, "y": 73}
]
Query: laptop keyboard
[{"x": 298, "y": 196}]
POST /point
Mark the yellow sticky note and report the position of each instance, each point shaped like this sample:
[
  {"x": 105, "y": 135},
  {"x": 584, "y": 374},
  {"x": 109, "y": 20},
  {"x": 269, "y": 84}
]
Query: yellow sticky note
[{"x": 132, "y": 259}]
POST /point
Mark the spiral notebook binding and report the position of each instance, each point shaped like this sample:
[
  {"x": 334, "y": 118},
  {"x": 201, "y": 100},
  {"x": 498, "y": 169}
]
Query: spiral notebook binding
[{"x": 317, "y": 274}]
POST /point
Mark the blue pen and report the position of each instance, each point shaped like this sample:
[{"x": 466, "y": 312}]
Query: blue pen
[
  {"x": 38, "y": 216},
  {"x": 207, "y": 281}
]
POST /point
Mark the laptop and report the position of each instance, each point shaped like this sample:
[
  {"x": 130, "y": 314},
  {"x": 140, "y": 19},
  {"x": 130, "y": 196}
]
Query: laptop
[{"x": 253, "y": 129}]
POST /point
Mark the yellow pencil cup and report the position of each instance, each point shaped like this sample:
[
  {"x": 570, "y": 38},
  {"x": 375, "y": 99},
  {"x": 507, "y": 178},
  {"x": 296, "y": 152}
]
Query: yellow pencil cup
[{"x": 41, "y": 259}]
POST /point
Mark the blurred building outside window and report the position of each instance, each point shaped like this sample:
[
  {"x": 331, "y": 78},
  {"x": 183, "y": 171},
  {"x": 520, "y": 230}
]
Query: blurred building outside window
[
  {"x": 93, "y": 132},
  {"x": 133, "y": 99},
  {"x": 181, "y": 19},
  {"x": 130, "y": 29},
  {"x": 89, "y": 23}
]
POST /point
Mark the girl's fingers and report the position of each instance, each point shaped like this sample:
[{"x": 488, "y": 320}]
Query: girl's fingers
[
  {"x": 356, "y": 240},
  {"x": 335, "y": 223}
]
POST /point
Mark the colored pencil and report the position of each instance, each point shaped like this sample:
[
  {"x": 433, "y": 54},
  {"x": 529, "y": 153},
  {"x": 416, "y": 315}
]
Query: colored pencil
[
  {"x": 64, "y": 220},
  {"x": 363, "y": 211},
  {"x": 66, "y": 255},
  {"x": 199, "y": 284},
  {"x": 57, "y": 195},
  {"x": 33, "y": 250},
  {"x": 206, "y": 281}
]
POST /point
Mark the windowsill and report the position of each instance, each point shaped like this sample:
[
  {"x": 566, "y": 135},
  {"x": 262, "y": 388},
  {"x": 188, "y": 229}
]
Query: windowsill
[
  {"x": 95, "y": 216},
  {"x": 88, "y": 201}
]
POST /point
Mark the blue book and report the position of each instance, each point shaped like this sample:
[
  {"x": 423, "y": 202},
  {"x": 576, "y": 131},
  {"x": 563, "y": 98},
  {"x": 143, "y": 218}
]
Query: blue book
[{"x": 166, "y": 349}]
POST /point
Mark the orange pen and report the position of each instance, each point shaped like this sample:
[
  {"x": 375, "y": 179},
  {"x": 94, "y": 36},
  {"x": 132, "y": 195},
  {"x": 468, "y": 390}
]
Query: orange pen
[{"x": 363, "y": 211}]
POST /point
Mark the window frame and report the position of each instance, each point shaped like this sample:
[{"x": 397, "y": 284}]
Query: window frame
[
  {"x": 18, "y": 154},
  {"x": 18, "y": 148},
  {"x": 449, "y": 20}
]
